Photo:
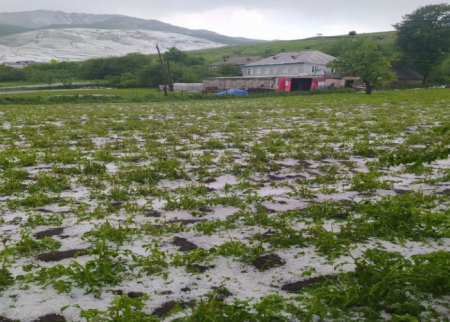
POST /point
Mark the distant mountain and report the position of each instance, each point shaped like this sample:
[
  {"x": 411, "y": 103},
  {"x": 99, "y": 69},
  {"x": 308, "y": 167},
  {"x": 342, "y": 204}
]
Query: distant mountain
[
  {"x": 6, "y": 30},
  {"x": 78, "y": 44},
  {"x": 42, "y": 18},
  {"x": 45, "y": 19}
]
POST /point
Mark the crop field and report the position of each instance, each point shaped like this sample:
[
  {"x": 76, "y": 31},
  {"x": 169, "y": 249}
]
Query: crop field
[{"x": 310, "y": 208}]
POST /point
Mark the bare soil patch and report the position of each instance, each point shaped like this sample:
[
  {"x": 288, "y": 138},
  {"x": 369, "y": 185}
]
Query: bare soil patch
[
  {"x": 184, "y": 245},
  {"x": 49, "y": 233},
  {"x": 58, "y": 256},
  {"x": 266, "y": 262},
  {"x": 51, "y": 318},
  {"x": 298, "y": 286}
]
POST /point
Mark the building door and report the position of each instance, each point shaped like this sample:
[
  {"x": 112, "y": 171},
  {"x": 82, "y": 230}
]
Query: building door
[
  {"x": 301, "y": 84},
  {"x": 348, "y": 84}
]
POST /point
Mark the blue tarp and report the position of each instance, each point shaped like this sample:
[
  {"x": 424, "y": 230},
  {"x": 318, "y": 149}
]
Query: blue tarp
[{"x": 233, "y": 91}]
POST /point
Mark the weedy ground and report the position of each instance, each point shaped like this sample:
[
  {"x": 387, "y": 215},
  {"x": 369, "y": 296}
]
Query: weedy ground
[{"x": 309, "y": 208}]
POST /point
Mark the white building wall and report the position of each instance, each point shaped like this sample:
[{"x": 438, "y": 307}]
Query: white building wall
[{"x": 289, "y": 70}]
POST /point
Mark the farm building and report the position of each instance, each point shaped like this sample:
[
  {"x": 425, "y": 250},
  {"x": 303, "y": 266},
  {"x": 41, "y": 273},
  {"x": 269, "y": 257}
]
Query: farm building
[
  {"x": 184, "y": 87},
  {"x": 300, "y": 70},
  {"x": 296, "y": 71},
  {"x": 337, "y": 81},
  {"x": 187, "y": 87},
  {"x": 251, "y": 84},
  {"x": 292, "y": 71},
  {"x": 406, "y": 75},
  {"x": 237, "y": 61}
]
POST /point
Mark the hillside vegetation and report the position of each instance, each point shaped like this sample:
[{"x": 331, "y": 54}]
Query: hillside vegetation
[
  {"x": 6, "y": 30},
  {"x": 324, "y": 44}
]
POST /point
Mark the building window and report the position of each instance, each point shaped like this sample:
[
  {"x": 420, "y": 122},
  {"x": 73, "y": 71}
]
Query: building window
[
  {"x": 315, "y": 69},
  {"x": 267, "y": 70},
  {"x": 275, "y": 70},
  {"x": 249, "y": 71},
  {"x": 286, "y": 70},
  {"x": 296, "y": 69},
  {"x": 258, "y": 71}
]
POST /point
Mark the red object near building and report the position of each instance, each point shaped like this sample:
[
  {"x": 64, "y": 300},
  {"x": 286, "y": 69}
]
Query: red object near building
[
  {"x": 281, "y": 84},
  {"x": 284, "y": 84}
]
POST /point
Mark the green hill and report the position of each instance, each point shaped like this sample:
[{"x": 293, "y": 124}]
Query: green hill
[
  {"x": 6, "y": 30},
  {"x": 324, "y": 43}
]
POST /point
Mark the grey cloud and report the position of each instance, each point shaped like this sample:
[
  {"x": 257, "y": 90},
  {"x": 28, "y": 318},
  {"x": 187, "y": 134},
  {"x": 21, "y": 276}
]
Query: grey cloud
[
  {"x": 330, "y": 8},
  {"x": 371, "y": 15}
]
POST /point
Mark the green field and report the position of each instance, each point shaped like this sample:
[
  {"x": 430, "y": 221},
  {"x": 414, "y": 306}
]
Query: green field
[
  {"x": 299, "y": 208},
  {"x": 126, "y": 93},
  {"x": 45, "y": 96}
]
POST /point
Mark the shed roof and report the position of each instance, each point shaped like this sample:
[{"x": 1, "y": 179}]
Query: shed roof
[
  {"x": 403, "y": 72},
  {"x": 310, "y": 56},
  {"x": 238, "y": 60}
]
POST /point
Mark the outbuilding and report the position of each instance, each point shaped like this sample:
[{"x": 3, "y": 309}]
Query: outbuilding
[
  {"x": 406, "y": 75},
  {"x": 238, "y": 61},
  {"x": 291, "y": 71},
  {"x": 22, "y": 63}
]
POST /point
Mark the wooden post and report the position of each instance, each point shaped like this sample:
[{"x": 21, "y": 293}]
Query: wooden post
[
  {"x": 169, "y": 76},
  {"x": 162, "y": 71}
]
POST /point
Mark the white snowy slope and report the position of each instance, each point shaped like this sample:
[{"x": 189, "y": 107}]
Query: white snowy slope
[
  {"x": 42, "y": 18},
  {"x": 81, "y": 44}
]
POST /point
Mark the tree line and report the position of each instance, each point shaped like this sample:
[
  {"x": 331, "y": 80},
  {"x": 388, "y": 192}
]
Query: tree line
[
  {"x": 422, "y": 40},
  {"x": 132, "y": 70}
]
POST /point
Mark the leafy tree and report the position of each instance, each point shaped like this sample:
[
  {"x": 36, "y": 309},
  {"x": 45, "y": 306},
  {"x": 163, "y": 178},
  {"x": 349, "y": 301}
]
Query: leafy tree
[
  {"x": 442, "y": 75},
  {"x": 176, "y": 55},
  {"x": 179, "y": 56},
  {"x": 40, "y": 75},
  {"x": 51, "y": 72},
  {"x": 365, "y": 61},
  {"x": 97, "y": 68},
  {"x": 352, "y": 33},
  {"x": 424, "y": 37},
  {"x": 128, "y": 80},
  {"x": 149, "y": 76},
  {"x": 11, "y": 74},
  {"x": 100, "y": 68},
  {"x": 196, "y": 61},
  {"x": 48, "y": 77}
]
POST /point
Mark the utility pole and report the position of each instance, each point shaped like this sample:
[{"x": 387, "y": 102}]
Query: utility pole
[
  {"x": 162, "y": 71},
  {"x": 169, "y": 75}
]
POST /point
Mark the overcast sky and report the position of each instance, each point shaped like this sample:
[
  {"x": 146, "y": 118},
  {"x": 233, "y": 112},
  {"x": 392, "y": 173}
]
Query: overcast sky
[{"x": 259, "y": 19}]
